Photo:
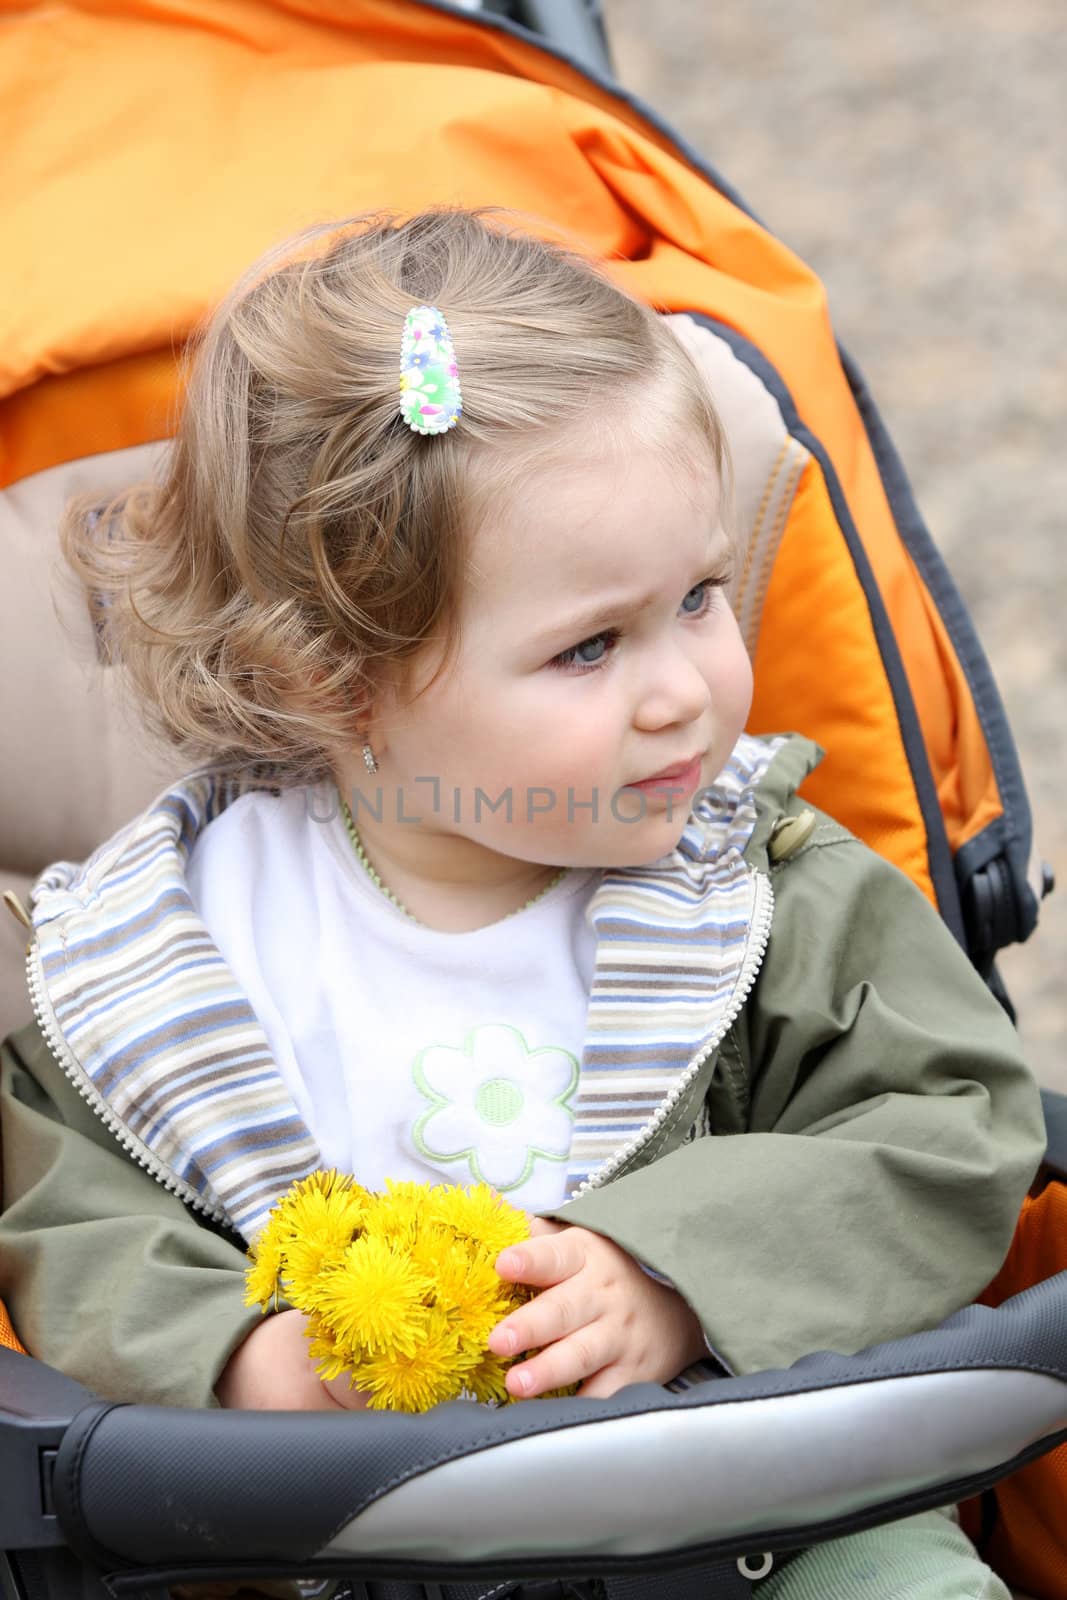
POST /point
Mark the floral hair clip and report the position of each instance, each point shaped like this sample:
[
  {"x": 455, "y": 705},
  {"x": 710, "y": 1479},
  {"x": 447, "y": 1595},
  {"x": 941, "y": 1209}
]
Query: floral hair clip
[{"x": 430, "y": 400}]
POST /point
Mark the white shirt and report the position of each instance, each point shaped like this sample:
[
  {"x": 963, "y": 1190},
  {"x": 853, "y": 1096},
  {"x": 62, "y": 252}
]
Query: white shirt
[{"x": 410, "y": 1053}]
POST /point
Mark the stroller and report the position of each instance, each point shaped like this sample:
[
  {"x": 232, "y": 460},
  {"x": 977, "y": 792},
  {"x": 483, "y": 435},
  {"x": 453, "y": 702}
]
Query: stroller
[{"x": 169, "y": 194}]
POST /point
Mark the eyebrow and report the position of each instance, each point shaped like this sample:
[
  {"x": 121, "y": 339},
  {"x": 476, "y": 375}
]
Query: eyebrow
[
  {"x": 605, "y": 614},
  {"x": 588, "y": 623}
]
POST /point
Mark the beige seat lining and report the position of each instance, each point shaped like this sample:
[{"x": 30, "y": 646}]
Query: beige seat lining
[{"x": 767, "y": 464}]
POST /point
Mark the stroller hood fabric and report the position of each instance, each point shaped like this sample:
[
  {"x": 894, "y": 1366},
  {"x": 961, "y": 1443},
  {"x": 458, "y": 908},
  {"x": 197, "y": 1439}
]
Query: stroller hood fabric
[{"x": 155, "y": 151}]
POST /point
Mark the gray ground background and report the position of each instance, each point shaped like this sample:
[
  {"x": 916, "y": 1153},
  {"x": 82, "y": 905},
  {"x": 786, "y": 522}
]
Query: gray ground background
[{"x": 914, "y": 153}]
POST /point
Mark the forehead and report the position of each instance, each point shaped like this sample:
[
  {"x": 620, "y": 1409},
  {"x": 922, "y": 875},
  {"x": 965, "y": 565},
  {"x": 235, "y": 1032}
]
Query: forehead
[{"x": 595, "y": 522}]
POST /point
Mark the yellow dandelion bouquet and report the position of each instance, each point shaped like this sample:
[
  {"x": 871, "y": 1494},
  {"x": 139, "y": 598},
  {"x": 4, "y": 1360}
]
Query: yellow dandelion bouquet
[{"x": 399, "y": 1288}]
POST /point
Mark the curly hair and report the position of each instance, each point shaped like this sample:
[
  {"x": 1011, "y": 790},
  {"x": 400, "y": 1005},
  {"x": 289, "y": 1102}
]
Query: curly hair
[{"x": 302, "y": 541}]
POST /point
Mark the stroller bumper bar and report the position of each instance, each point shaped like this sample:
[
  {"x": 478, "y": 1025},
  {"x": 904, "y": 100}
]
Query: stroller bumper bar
[{"x": 772, "y": 1461}]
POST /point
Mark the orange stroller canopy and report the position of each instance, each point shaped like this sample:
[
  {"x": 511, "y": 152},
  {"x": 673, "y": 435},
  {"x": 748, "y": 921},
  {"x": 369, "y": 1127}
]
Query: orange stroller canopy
[{"x": 155, "y": 149}]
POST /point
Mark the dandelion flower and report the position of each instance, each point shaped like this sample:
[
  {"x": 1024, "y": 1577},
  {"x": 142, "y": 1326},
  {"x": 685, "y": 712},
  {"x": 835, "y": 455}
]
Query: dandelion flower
[
  {"x": 400, "y": 1289},
  {"x": 396, "y": 1380},
  {"x": 331, "y": 1355},
  {"x": 486, "y": 1381},
  {"x": 398, "y": 1212},
  {"x": 308, "y": 1230},
  {"x": 468, "y": 1293},
  {"x": 374, "y": 1297},
  {"x": 322, "y": 1218},
  {"x": 261, "y": 1285},
  {"x": 479, "y": 1213}
]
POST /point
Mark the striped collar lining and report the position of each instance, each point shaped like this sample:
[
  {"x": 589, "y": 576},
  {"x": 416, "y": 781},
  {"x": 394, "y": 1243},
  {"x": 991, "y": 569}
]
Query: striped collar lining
[{"x": 151, "y": 1023}]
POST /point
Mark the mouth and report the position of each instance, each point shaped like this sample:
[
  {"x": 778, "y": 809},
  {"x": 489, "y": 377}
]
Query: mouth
[{"x": 683, "y": 775}]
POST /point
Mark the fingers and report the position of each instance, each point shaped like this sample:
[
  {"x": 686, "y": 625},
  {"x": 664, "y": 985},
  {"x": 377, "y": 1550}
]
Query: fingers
[
  {"x": 561, "y": 1317},
  {"x": 600, "y": 1320},
  {"x": 545, "y": 1258},
  {"x": 603, "y": 1384},
  {"x": 544, "y": 1263},
  {"x": 548, "y": 1317},
  {"x": 540, "y": 1226},
  {"x": 567, "y": 1361}
]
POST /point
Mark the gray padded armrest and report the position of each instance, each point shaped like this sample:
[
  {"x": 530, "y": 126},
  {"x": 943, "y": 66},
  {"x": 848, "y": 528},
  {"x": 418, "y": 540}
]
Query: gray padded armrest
[{"x": 771, "y": 1461}]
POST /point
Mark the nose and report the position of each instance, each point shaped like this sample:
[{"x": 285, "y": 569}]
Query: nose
[{"x": 673, "y": 690}]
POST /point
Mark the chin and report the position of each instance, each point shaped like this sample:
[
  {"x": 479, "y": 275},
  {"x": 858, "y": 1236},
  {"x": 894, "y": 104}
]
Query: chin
[{"x": 651, "y": 843}]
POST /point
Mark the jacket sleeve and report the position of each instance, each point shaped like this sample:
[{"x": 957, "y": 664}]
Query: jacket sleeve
[
  {"x": 891, "y": 1132},
  {"x": 106, "y": 1275}
]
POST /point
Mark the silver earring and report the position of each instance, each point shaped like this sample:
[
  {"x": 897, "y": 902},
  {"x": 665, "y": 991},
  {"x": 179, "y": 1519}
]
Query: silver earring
[{"x": 368, "y": 759}]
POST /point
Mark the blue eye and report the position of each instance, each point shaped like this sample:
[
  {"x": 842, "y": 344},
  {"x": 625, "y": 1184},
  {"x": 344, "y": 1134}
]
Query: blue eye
[
  {"x": 578, "y": 663},
  {"x": 575, "y": 658},
  {"x": 605, "y": 643}
]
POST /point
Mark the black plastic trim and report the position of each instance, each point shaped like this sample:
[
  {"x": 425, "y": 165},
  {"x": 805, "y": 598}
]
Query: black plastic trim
[
  {"x": 576, "y": 27},
  {"x": 66, "y": 1482},
  {"x": 989, "y": 890},
  {"x": 1055, "y": 1108},
  {"x": 37, "y": 1405},
  {"x": 984, "y": 847}
]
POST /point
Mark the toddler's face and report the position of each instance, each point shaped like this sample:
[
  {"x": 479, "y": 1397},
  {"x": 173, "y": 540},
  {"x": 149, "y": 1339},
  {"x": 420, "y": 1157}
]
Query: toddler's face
[{"x": 562, "y": 694}]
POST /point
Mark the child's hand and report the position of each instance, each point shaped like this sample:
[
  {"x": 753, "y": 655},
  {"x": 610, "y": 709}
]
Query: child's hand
[
  {"x": 271, "y": 1371},
  {"x": 599, "y": 1318}
]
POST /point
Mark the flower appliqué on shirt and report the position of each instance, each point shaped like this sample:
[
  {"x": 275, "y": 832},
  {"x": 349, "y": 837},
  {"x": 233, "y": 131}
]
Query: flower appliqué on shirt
[{"x": 496, "y": 1104}]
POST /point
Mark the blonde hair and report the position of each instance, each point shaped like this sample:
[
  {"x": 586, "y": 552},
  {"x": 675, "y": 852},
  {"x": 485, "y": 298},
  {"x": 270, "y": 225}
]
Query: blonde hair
[{"x": 303, "y": 540}]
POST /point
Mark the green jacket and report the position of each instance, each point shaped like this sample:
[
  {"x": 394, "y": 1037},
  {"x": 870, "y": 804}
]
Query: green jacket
[{"x": 840, "y": 1159}]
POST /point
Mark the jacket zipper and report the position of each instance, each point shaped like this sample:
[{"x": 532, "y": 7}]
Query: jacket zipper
[
  {"x": 73, "y": 1070},
  {"x": 755, "y": 950}
]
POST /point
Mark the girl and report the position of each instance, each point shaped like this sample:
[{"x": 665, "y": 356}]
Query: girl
[{"x": 480, "y": 878}]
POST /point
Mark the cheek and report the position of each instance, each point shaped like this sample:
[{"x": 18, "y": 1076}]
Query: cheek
[
  {"x": 742, "y": 676},
  {"x": 560, "y": 733},
  {"x": 730, "y": 676},
  {"x": 568, "y": 728}
]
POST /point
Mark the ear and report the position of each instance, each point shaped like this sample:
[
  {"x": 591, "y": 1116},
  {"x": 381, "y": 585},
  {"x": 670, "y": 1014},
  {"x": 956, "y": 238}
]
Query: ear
[{"x": 351, "y": 717}]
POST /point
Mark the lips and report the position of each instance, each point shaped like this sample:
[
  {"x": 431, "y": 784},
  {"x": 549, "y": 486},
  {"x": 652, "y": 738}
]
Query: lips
[{"x": 681, "y": 769}]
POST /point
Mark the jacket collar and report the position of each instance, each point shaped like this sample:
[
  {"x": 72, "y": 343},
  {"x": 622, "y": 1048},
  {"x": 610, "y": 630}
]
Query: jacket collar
[
  {"x": 675, "y": 939},
  {"x": 152, "y": 1024}
]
